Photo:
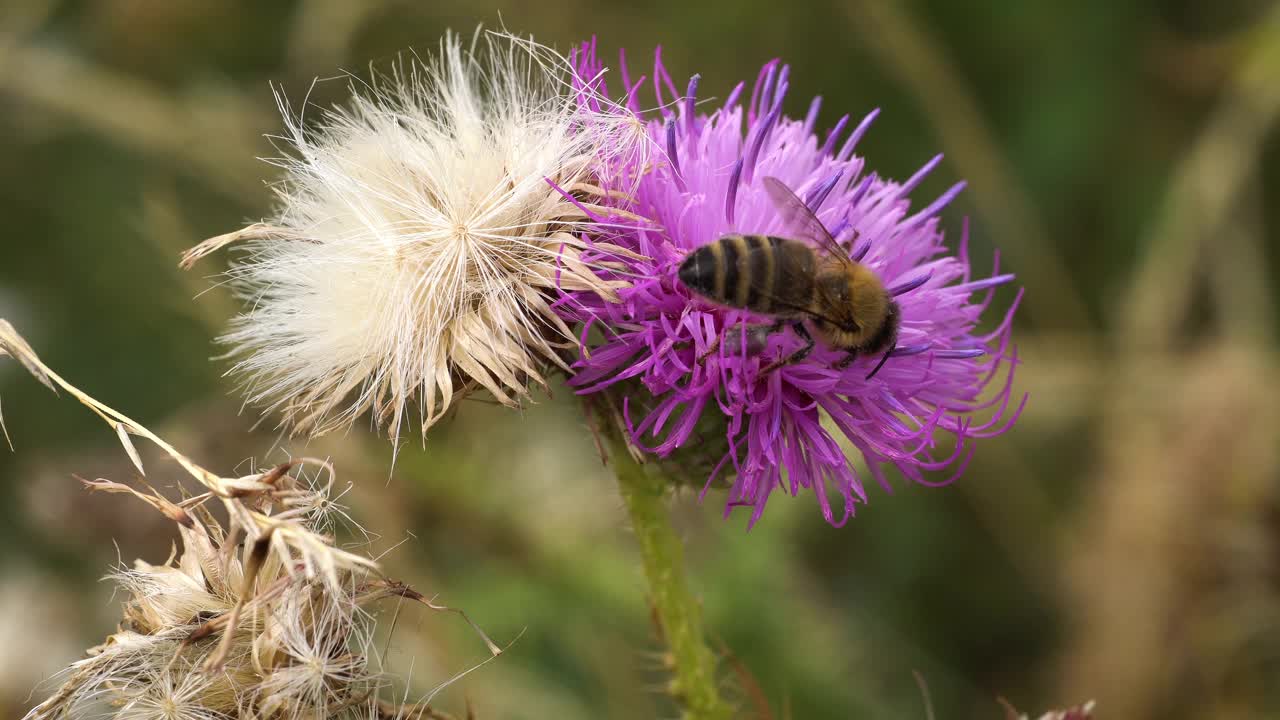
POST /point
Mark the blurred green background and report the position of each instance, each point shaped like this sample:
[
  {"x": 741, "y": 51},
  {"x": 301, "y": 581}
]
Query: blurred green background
[{"x": 1122, "y": 543}]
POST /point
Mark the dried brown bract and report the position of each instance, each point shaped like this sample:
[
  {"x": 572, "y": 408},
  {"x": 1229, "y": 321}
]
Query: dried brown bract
[{"x": 1079, "y": 712}]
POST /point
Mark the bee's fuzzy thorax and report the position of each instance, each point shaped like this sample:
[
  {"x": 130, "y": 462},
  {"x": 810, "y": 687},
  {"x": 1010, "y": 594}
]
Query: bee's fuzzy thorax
[{"x": 421, "y": 236}]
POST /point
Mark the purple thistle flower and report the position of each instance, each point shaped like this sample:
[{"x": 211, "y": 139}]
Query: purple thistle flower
[{"x": 694, "y": 358}]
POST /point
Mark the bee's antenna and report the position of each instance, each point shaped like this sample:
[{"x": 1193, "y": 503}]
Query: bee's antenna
[{"x": 883, "y": 359}]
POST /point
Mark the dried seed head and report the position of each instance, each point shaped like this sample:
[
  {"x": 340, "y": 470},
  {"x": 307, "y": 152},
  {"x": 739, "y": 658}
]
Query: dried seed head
[
  {"x": 422, "y": 234},
  {"x": 258, "y": 616}
]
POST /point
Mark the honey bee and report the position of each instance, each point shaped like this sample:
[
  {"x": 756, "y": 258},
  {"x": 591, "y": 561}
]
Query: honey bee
[{"x": 807, "y": 285}]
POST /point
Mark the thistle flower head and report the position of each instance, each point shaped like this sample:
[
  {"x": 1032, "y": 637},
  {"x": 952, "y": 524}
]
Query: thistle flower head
[
  {"x": 787, "y": 424},
  {"x": 417, "y": 240}
]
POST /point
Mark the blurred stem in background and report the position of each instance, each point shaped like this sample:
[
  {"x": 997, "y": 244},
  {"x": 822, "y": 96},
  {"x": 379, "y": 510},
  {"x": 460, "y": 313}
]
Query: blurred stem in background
[
  {"x": 1203, "y": 195},
  {"x": 645, "y": 491},
  {"x": 1210, "y": 444},
  {"x": 907, "y": 51}
]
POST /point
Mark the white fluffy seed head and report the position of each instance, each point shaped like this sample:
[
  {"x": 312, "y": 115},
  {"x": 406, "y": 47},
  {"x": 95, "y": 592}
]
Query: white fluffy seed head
[
  {"x": 169, "y": 693},
  {"x": 419, "y": 241}
]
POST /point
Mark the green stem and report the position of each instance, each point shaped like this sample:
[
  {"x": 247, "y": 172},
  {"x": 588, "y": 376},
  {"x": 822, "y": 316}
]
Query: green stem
[{"x": 644, "y": 490}]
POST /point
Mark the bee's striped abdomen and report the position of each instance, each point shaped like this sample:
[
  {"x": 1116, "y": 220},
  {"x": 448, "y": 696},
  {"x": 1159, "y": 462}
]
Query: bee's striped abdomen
[
  {"x": 746, "y": 271},
  {"x": 712, "y": 270},
  {"x": 729, "y": 269},
  {"x": 738, "y": 264},
  {"x": 762, "y": 269}
]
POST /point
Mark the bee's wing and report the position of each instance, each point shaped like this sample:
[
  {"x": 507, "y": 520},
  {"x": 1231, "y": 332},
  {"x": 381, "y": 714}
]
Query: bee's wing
[
  {"x": 802, "y": 309},
  {"x": 798, "y": 218}
]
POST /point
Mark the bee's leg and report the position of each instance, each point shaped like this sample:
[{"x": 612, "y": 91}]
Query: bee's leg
[
  {"x": 711, "y": 349},
  {"x": 803, "y": 352},
  {"x": 796, "y": 356},
  {"x": 733, "y": 335},
  {"x": 851, "y": 354}
]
